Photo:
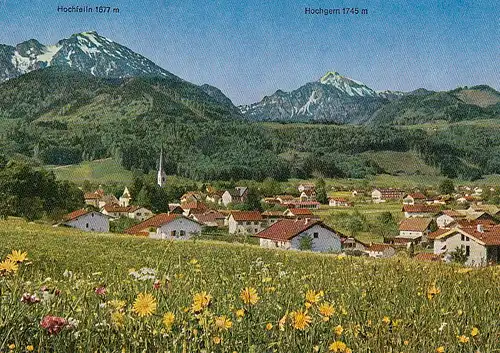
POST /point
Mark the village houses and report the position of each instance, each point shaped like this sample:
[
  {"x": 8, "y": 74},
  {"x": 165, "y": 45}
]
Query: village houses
[
  {"x": 246, "y": 222},
  {"x": 167, "y": 226},
  {"x": 287, "y": 234},
  {"x": 87, "y": 221},
  {"x": 413, "y": 230},
  {"x": 237, "y": 195},
  {"x": 420, "y": 210},
  {"x": 338, "y": 202},
  {"x": 382, "y": 195},
  {"x": 414, "y": 198}
]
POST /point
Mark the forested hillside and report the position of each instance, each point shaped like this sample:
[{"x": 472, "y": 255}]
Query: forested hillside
[{"x": 64, "y": 117}]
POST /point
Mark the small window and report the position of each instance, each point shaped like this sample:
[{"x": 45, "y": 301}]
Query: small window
[
  {"x": 92, "y": 214},
  {"x": 173, "y": 233},
  {"x": 467, "y": 239},
  {"x": 249, "y": 223},
  {"x": 462, "y": 237},
  {"x": 316, "y": 235},
  {"x": 467, "y": 250},
  {"x": 183, "y": 233},
  {"x": 87, "y": 225},
  {"x": 256, "y": 230}
]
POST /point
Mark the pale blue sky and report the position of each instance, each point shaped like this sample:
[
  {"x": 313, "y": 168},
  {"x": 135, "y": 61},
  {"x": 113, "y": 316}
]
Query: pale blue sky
[{"x": 252, "y": 48}]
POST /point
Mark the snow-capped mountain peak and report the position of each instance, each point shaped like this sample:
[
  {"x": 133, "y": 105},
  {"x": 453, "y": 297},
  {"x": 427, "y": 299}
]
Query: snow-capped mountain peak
[
  {"x": 87, "y": 51},
  {"x": 346, "y": 85}
]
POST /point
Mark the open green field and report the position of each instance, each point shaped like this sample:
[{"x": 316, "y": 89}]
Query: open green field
[
  {"x": 402, "y": 163},
  {"x": 367, "y": 305},
  {"x": 98, "y": 171}
]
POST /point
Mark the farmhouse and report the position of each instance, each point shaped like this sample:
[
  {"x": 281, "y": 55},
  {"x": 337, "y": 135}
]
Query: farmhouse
[
  {"x": 294, "y": 234},
  {"x": 299, "y": 213},
  {"x": 246, "y": 222},
  {"x": 383, "y": 195},
  {"x": 481, "y": 244},
  {"x": 413, "y": 230},
  {"x": 447, "y": 217},
  {"x": 415, "y": 198},
  {"x": 338, "y": 202},
  {"x": 302, "y": 204},
  {"x": 194, "y": 207},
  {"x": 308, "y": 195},
  {"x": 237, "y": 195},
  {"x": 420, "y": 210},
  {"x": 167, "y": 226},
  {"x": 380, "y": 250},
  {"x": 305, "y": 187},
  {"x": 88, "y": 221},
  {"x": 210, "y": 218},
  {"x": 284, "y": 198},
  {"x": 133, "y": 212}
]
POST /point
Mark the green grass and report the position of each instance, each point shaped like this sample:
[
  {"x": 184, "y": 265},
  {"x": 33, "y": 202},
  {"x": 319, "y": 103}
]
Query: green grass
[
  {"x": 401, "y": 163},
  {"x": 381, "y": 305},
  {"x": 98, "y": 171}
]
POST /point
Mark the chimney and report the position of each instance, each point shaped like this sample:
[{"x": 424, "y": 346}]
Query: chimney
[{"x": 480, "y": 228}]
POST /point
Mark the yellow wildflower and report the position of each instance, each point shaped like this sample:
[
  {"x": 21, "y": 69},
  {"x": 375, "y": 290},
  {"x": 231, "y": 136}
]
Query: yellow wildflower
[
  {"x": 440, "y": 349},
  {"x": 406, "y": 342},
  {"x": 144, "y": 305},
  {"x": 463, "y": 339},
  {"x": 223, "y": 323},
  {"x": 216, "y": 340},
  {"x": 17, "y": 256},
  {"x": 168, "y": 320},
  {"x": 432, "y": 291},
  {"x": 193, "y": 261},
  {"x": 8, "y": 266},
  {"x": 327, "y": 310},
  {"x": 338, "y": 330},
  {"x": 300, "y": 320},
  {"x": 337, "y": 346},
  {"x": 118, "y": 319},
  {"x": 117, "y": 304},
  {"x": 474, "y": 332},
  {"x": 249, "y": 296},
  {"x": 201, "y": 301},
  {"x": 282, "y": 322},
  {"x": 240, "y": 313},
  {"x": 386, "y": 320},
  {"x": 12, "y": 346},
  {"x": 269, "y": 326},
  {"x": 30, "y": 348},
  {"x": 313, "y": 297}
]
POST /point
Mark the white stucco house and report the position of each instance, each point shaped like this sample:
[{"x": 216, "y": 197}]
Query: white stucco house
[
  {"x": 481, "y": 243},
  {"x": 420, "y": 210},
  {"x": 237, "y": 195},
  {"x": 88, "y": 221},
  {"x": 380, "y": 250},
  {"x": 338, "y": 202},
  {"x": 287, "y": 234},
  {"x": 167, "y": 226},
  {"x": 246, "y": 222},
  {"x": 414, "y": 198},
  {"x": 413, "y": 230},
  {"x": 447, "y": 217},
  {"x": 383, "y": 195},
  {"x": 134, "y": 212}
]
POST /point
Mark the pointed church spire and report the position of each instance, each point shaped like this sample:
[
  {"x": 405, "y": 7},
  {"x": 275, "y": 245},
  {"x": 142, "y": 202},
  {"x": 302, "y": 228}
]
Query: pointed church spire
[{"x": 162, "y": 176}]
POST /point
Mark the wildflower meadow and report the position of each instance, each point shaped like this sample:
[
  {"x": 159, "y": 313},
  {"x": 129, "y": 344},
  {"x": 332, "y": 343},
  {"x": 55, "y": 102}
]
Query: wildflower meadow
[{"x": 66, "y": 291}]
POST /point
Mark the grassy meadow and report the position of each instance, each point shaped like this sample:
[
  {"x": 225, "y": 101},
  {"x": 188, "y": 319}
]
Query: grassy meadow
[{"x": 196, "y": 300}]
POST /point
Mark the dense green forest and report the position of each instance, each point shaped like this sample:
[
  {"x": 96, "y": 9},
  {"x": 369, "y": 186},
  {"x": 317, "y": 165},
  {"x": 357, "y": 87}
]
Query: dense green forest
[{"x": 65, "y": 117}]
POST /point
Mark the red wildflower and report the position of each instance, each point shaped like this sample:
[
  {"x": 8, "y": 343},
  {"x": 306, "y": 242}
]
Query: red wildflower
[
  {"x": 157, "y": 284},
  {"x": 53, "y": 324},
  {"x": 100, "y": 290}
]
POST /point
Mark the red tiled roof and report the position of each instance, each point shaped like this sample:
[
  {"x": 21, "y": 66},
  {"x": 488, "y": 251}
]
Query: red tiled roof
[
  {"x": 209, "y": 217},
  {"x": 302, "y": 203},
  {"x": 489, "y": 235},
  {"x": 247, "y": 216},
  {"x": 194, "y": 204},
  {"x": 153, "y": 222},
  {"x": 286, "y": 229},
  {"x": 415, "y": 224},
  {"x": 75, "y": 214},
  {"x": 300, "y": 212},
  {"x": 425, "y": 256},
  {"x": 270, "y": 214},
  {"x": 379, "y": 247},
  {"x": 465, "y": 223},
  {"x": 338, "y": 199},
  {"x": 437, "y": 233},
  {"x": 420, "y": 209}
]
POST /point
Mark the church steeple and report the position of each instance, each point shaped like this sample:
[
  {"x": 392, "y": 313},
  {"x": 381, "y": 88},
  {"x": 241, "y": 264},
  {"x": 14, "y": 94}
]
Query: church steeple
[{"x": 162, "y": 176}]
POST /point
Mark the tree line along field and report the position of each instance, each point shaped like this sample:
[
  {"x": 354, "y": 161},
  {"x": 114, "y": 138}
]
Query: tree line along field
[{"x": 219, "y": 297}]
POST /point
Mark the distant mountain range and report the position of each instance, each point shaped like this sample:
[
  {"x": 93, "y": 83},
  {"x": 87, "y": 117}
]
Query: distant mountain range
[
  {"x": 331, "y": 99},
  {"x": 338, "y": 99}
]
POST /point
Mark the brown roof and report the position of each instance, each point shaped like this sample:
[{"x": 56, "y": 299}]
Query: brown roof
[
  {"x": 194, "y": 204},
  {"x": 302, "y": 203},
  {"x": 420, "y": 208},
  {"x": 247, "y": 216},
  {"x": 437, "y": 233},
  {"x": 153, "y": 222},
  {"x": 489, "y": 235},
  {"x": 338, "y": 199},
  {"x": 115, "y": 208},
  {"x": 425, "y": 256},
  {"x": 271, "y": 214},
  {"x": 415, "y": 224},
  {"x": 379, "y": 247},
  {"x": 453, "y": 213},
  {"x": 75, "y": 214},
  {"x": 209, "y": 217},
  {"x": 300, "y": 211},
  {"x": 286, "y": 229}
]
